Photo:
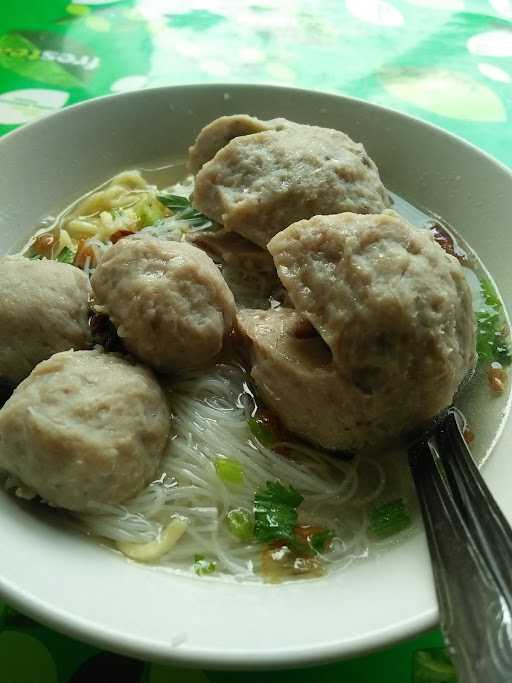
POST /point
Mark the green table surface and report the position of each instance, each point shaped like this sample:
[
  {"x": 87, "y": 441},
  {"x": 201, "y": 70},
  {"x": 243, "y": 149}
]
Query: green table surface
[{"x": 446, "y": 61}]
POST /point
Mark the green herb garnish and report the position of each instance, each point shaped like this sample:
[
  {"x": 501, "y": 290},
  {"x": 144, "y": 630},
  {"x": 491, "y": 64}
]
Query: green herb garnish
[
  {"x": 433, "y": 666},
  {"x": 388, "y": 519},
  {"x": 202, "y": 566},
  {"x": 229, "y": 470},
  {"x": 173, "y": 201},
  {"x": 35, "y": 257},
  {"x": 183, "y": 210},
  {"x": 66, "y": 256},
  {"x": 490, "y": 294},
  {"x": 493, "y": 342},
  {"x": 265, "y": 428},
  {"x": 320, "y": 540},
  {"x": 240, "y": 524},
  {"x": 275, "y": 512}
]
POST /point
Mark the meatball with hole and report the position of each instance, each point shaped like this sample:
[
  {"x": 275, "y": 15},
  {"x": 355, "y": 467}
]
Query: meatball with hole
[
  {"x": 295, "y": 375},
  {"x": 394, "y": 309}
]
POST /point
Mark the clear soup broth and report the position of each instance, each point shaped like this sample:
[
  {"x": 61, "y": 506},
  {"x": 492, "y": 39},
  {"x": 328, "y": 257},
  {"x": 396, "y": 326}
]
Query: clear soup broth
[{"x": 226, "y": 446}]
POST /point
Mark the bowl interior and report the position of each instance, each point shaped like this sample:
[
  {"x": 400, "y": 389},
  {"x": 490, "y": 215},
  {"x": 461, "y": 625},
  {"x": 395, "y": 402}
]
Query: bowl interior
[{"x": 76, "y": 585}]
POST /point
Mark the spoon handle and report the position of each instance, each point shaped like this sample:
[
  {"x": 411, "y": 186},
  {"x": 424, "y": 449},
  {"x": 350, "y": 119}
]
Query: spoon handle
[{"x": 470, "y": 544}]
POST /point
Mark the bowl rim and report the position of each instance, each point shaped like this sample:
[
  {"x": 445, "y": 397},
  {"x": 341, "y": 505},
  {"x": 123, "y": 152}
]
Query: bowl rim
[
  {"x": 223, "y": 86},
  {"x": 213, "y": 659},
  {"x": 276, "y": 658}
]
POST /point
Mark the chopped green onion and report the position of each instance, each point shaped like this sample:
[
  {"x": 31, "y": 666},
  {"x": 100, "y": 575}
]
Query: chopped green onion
[
  {"x": 66, "y": 256},
  {"x": 36, "y": 257},
  {"x": 433, "y": 666},
  {"x": 229, "y": 470},
  {"x": 493, "y": 342},
  {"x": 240, "y": 524},
  {"x": 265, "y": 428},
  {"x": 275, "y": 512},
  {"x": 202, "y": 566},
  {"x": 490, "y": 295},
  {"x": 388, "y": 519},
  {"x": 320, "y": 541}
]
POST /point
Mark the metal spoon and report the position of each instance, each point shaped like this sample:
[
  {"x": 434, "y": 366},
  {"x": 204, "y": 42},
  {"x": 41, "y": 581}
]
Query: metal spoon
[{"x": 470, "y": 544}]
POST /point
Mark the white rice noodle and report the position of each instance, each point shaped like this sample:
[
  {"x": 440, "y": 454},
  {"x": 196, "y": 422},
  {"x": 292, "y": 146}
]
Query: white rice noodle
[{"x": 210, "y": 420}]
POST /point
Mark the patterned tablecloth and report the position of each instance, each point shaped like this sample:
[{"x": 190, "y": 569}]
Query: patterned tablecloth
[{"x": 447, "y": 61}]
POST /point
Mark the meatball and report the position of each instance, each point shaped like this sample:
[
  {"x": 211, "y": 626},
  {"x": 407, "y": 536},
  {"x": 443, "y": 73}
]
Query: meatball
[
  {"x": 392, "y": 306},
  {"x": 258, "y": 184},
  {"x": 84, "y": 427},
  {"x": 168, "y": 301},
  {"x": 43, "y": 310},
  {"x": 233, "y": 250},
  {"x": 296, "y": 377},
  {"x": 218, "y": 133}
]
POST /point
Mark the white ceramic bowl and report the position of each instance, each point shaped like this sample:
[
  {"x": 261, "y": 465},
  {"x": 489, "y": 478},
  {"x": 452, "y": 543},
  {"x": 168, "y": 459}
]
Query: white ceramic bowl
[{"x": 89, "y": 592}]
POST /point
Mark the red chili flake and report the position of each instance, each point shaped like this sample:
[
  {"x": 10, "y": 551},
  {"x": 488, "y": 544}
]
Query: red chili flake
[
  {"x": 83, "y": 253},
  {"x": 446, "y": 241},
  {"x": 44, "y": 244},
  {"x": 497, "y": 378}
]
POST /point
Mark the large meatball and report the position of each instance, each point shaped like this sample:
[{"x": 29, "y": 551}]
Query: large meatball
[
  {"x": 392, "y": 306},
  {"x": 43, "y": 310},
  {"x": 296, "y": 377},
  {"x": 84, "y": 427},
  {"x": 168, "y": 301},
  {"x": 258, "y": 184},
  {"x": 218, "y": 133}
]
